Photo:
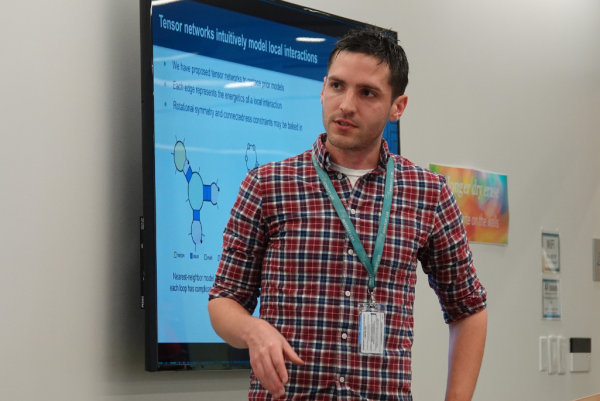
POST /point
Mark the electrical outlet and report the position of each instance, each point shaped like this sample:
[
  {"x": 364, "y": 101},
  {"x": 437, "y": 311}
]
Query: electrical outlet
[
  {"x": 543, "y": 354},
  {"x": 563, "y": 352},
  {"x": 553, "y": 355}
]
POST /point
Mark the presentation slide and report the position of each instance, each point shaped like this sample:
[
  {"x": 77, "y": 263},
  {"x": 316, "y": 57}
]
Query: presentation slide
[{"x": 231, "y": 92}]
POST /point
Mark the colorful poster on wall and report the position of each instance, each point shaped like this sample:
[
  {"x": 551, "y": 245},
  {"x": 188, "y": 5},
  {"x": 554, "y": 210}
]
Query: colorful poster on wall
[{"x": 482, "y": 198}]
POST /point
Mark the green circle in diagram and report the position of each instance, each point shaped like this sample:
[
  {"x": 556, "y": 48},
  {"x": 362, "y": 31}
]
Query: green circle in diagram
[
  {"x": 196, "y": 192},
  {"x": 179, "y": 155}
]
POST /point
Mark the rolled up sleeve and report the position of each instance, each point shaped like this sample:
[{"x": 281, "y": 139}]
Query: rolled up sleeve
[
  {"x": 239, "y": 274},
  {"x": 448, "y": 262}
]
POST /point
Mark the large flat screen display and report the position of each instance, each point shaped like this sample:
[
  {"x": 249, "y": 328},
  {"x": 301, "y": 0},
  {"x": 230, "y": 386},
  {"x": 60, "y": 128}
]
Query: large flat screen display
[{"x": 227, "y": 86}]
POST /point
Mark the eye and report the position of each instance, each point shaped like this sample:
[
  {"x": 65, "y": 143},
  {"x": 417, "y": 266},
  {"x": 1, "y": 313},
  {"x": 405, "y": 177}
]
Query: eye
[
  {"x": 336, "y": 85},
  {"x": 368, "y": 93}
]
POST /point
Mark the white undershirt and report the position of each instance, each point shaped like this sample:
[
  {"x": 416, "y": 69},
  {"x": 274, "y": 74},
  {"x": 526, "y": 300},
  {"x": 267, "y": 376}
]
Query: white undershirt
[{"x": 353, "y": 175}]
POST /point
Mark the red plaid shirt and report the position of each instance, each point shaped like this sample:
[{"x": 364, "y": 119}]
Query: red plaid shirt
[{"x": 285, "y": 243}]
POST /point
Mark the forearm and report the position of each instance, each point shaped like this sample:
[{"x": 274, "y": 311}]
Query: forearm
[
  {"x": 230, "y": 321},
  {"x": 467, "y": 342}
]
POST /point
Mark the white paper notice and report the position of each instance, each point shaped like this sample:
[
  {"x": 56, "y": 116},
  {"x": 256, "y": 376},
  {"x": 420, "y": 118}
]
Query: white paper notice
[
  {"x": 551, "y": 299},
  {"x": 372, "y": 326},
  {"x": 550, "y": 253}
]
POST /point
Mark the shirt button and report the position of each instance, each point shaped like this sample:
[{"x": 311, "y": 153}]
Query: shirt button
[
  {"x": 347, "y": 293},
  {"x": 344, "y": 336},
  {"x": 353, "y": 211},
  {"x": 339, "y": 176},
  {"x": 342, "y": 379},
  {"x": 350, "y": 252}
]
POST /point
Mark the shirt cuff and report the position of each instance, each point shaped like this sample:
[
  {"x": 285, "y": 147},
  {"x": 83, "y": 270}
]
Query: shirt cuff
[
  {"x": 247, "y": 300},
  {"x": 467, "y": 306}
]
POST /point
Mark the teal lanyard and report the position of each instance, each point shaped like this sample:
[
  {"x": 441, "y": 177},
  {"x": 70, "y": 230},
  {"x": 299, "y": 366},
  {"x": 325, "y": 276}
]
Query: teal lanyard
[{"x": 371, "y": 265}]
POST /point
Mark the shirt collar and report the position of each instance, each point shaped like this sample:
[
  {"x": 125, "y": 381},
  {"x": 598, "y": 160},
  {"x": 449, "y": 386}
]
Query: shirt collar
[{"x": 324, "y": 158}]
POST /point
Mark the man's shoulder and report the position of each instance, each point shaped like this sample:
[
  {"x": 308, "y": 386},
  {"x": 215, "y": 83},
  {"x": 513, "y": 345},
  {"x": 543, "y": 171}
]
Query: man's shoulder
[
  {"x": 411, "y": 172},
  {"x": 294, "y": 166}
]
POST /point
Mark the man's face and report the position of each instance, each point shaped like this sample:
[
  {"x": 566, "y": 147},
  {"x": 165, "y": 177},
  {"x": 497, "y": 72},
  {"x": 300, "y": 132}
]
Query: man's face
[{"x": 357, "y": 102}]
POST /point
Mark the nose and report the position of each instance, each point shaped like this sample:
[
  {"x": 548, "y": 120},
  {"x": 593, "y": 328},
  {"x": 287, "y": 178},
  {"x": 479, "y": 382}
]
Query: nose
[{"x": 348, "y": 104}]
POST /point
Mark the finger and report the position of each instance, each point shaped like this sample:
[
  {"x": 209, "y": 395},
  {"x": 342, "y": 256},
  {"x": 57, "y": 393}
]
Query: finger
[
  {"x": 271, "y": 380},
  {"x": 258, "y": 371},
  {"x": 279, "y": 364},
  {"x": 265, "y": 380},
  {"x": 262, "y": 372},
  {"x": 291, "y": 354}
]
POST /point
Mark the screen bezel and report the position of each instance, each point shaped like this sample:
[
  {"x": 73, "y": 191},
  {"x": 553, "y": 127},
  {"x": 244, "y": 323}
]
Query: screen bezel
[{"x": 215, "y": 356}]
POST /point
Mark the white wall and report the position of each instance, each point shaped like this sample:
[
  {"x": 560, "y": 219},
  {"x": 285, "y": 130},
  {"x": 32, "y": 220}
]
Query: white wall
[{"x": 501, "y": 85}]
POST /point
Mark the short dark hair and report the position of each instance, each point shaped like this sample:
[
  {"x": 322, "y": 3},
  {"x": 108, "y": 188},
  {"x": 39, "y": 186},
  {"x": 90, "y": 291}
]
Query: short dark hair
[{"x": 377, "y": 43}]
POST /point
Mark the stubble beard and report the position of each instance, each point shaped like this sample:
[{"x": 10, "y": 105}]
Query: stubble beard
[{"x": 358, "y": 143}]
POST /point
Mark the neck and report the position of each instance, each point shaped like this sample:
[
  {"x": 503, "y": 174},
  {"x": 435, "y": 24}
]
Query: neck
[{"x": 356, "y": 159}]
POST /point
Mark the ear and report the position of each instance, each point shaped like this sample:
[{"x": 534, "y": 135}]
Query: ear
[
  {"x": 323, "y": 90},
  {"x": 398, "y": 107}
]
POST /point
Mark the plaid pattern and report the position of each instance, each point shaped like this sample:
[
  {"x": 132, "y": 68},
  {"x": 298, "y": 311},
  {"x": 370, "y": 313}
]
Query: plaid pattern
[{"x": 285, "y": 242}]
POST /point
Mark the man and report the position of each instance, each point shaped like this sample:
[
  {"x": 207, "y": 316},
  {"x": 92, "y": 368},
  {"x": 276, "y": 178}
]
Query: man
[{"x": 287, "y": 242}]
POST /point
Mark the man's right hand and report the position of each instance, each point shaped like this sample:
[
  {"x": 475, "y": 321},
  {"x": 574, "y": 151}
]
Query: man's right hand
[
  {"x": 268, "y": 348},
  {"x": 268, "y": 351}
]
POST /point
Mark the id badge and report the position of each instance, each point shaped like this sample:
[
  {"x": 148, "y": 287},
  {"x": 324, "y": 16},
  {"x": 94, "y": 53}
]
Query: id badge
[{"x": 371, "y": 329}]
